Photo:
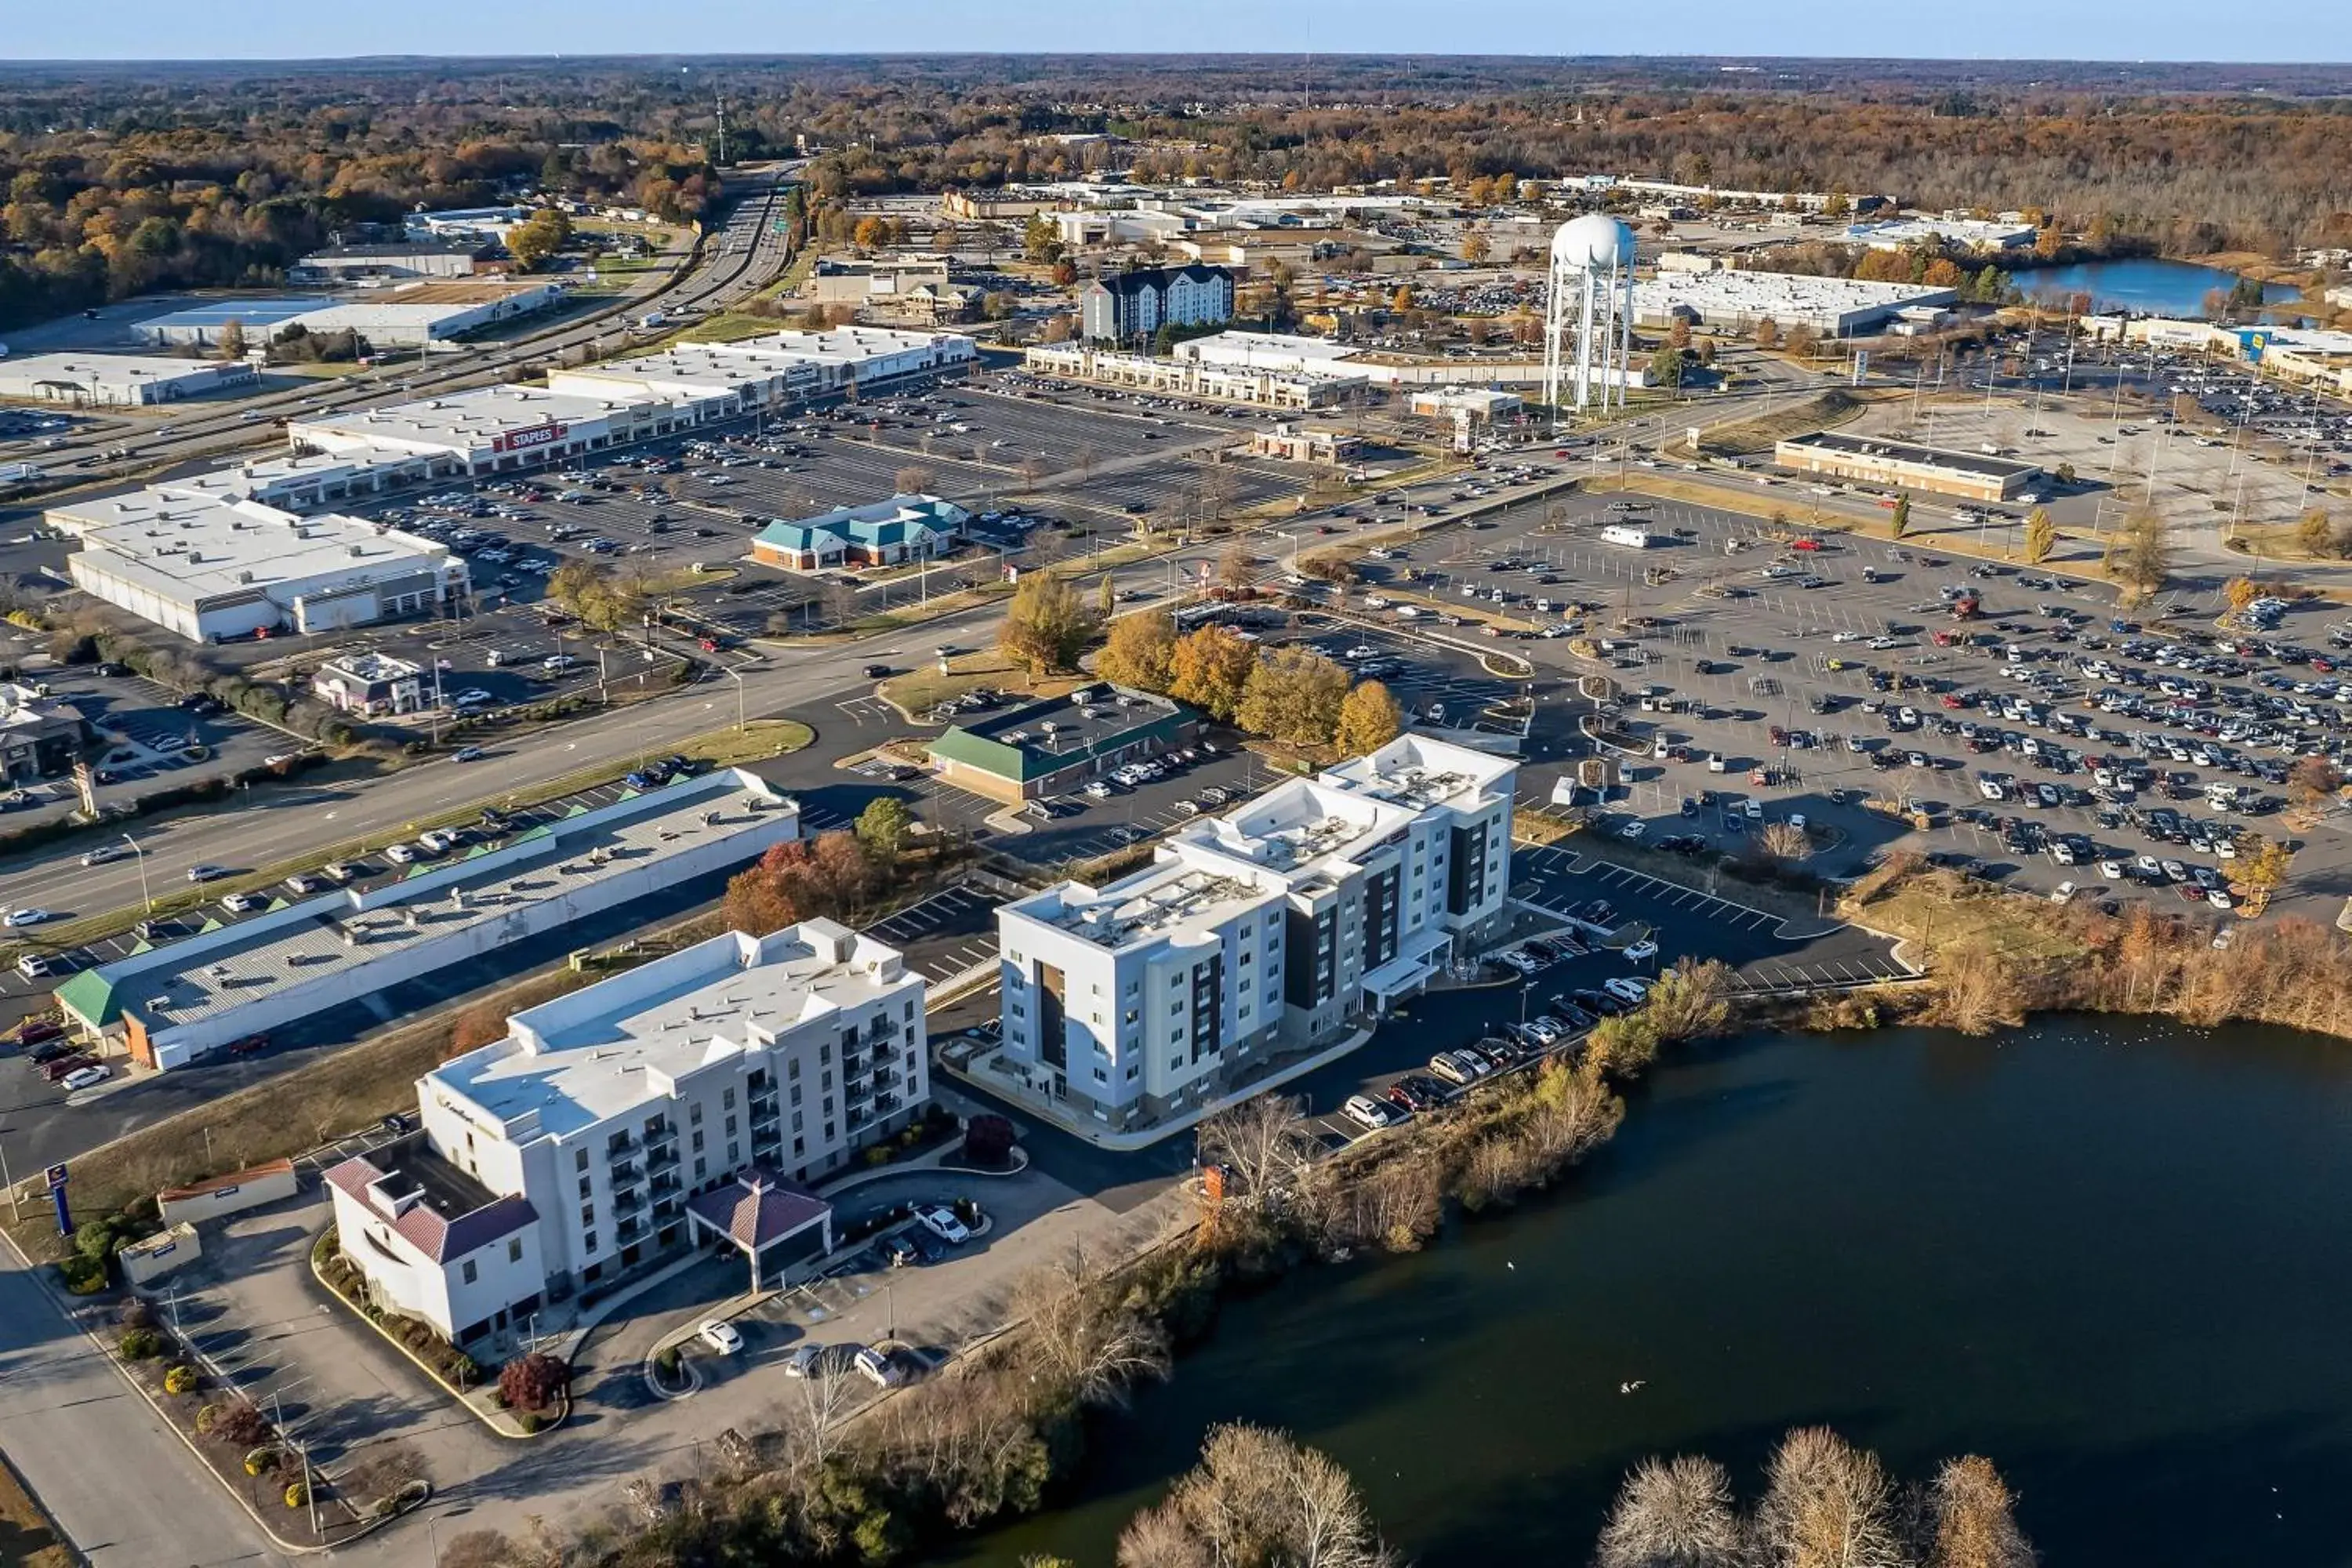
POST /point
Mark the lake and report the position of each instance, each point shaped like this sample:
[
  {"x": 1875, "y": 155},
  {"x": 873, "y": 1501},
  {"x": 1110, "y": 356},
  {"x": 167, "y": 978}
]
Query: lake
[
  {"x": 2114, "y": 1256},
  {"x": 2148, "y": 285}
]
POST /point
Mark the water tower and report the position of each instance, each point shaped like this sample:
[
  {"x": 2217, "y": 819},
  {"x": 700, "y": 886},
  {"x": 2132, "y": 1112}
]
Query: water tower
[{"x": 1590, "y": 297}]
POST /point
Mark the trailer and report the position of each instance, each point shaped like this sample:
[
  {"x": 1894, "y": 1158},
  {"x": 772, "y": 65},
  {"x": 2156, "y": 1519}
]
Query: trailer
[{"x": 1628, "y": 535}]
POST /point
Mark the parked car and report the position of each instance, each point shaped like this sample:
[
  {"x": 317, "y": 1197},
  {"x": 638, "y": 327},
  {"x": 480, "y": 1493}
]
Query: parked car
[
  {"x": 720, "y": 1336},
  {"x": 1363, "y": 1110},
  {"x": 302, "y": 883},
  {"x": 879, "y": 1367},
  {"x": 237, "y": 903},
  {"x": 1640, "y": 952},
  {"x": 84, "y": 1078},
  {"x": 941, "y": 1222},
  {"x": 901, "y": 1252},
  {"x": 400, "y": 854}
]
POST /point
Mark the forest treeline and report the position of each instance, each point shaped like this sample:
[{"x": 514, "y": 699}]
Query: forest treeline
[
  {"x": 122, "y": 179},
  {"x": 113, "y": 188}
]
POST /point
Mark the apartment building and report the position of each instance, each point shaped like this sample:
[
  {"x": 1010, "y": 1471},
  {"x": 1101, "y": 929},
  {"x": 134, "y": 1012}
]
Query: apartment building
[
  {"x": 1263, "y": 934},
  {"x": 1130, "y": 305},
  {"x": 688, "y": 1102}
]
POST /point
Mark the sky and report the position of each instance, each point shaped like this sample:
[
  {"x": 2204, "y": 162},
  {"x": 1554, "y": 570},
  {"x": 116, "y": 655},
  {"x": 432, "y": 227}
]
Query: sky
[{"x": 2317, "y": 30}]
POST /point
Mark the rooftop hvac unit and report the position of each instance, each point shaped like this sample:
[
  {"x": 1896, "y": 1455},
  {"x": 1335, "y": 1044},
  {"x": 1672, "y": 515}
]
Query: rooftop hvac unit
[{"x": 245, "y": 576}]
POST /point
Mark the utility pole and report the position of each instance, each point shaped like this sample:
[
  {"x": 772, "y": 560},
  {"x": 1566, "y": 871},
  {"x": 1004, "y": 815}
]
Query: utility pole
[{"x": 145, "y": 897}]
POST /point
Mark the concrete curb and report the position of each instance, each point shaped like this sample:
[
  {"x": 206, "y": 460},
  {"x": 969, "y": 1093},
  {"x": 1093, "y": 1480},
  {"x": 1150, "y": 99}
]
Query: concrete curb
[
  {"x": 438, "y": 1380},
  {"x": 106, "y": 1353}
]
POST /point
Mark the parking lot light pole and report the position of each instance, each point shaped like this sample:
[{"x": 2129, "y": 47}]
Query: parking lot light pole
[
  {"x": 738, "y": 675},
  {"x": 146, "y": 897}
]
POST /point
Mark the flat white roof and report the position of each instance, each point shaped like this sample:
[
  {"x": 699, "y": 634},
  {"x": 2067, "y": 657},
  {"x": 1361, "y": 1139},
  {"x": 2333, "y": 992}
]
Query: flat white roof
[
  {"x": 1420, "y": 770},
  {"x": 1753, "y": 293},
  {"x": 200, "y": 551},
  {"x": 350, "y": 930},
  {"x": 23, "y": 372},
  {"x": 464, "y": 421},
  {"x": 606, "y": 1049},
  {"x": 181, "y": 499},
  {"x": 857, "y": 345}
]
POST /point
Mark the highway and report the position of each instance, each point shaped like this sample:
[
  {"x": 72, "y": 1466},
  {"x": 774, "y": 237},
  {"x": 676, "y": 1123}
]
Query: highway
[{"x": 740, "y": 254}]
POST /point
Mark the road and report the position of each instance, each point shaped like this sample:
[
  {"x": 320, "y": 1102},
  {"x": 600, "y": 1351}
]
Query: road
[
  {"x": 118, "y": 1483},
  {"x": 741, "y": 255}
]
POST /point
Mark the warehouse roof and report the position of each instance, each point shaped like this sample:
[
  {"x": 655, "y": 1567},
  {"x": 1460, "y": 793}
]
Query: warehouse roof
[
  {"x": 465, "y": 420},
  {"x": 214, "y": 546},
  {"x": 1041, "y": 738},
  {"x": 1878, "y": 447},
  {"x": 89, "y": 369},
  {"x": 352, "y": 931}
]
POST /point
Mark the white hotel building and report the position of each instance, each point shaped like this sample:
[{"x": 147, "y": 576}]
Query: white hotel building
[
  {"x": 1266, "y": 932},
  {"x": 684, "y": 1102}
]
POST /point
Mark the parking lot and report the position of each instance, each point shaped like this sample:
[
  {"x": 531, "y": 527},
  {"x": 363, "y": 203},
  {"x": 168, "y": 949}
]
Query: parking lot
[{"x": 945, "y": 934}]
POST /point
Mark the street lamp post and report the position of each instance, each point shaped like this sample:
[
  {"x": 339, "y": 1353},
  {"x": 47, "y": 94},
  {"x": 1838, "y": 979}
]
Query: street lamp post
[{"x": 145, "y": 897}]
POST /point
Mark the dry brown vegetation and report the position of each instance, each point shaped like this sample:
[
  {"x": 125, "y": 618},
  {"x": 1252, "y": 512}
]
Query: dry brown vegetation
[{"x": 1994, "y": 957}]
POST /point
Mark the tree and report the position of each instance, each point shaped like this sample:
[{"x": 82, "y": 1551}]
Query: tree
[
  {"x": 882, "y": 828},
  {"x": 1474, "y": 248},
  {"x": 1236, "y": 566},
  {"x": 1666, "y": 367},
  {"x": 1785, "y": 842},
  {"x": 1976, "y": 1523},
  {"x": 1368, "y": 720},
  {"x": 2040, "y": 536},
  {"x": 1261, "y": 1143},
  {"x": 1678, "y": 336},
  {"x": 1209, "y": 669},
  {"x": 2314, "y": 533},
  {"x": 1401, "y": 300},
  {"x": 1827, "y": 1505},
  {"x": 2140, "y": 554},
  {"x": 1672, "y": 1513},
  {"x": 1040, "y": 240},
  {"x": 231, "y": 341},
  {"x": 1800, "y": 340},
  {"x": 2241, "y": 592},
  {"x": 600, "y": 597},
  {"x": 1139, "y": 651},
  {"x": 1293, "y": 694},
  {"x": 1900, "y": 523},
  {"x": 1047, "y": 625},
  {"x": 1768, "y": 333},
  {"x": 532, "y": 1382},
  {"x": 2312, "y": 780},
  {"x": 869, "y": 232},
  {"x": 539, "y": 236},
  {"x": 914, "y": 479},
  {"x": 1256, "y": 1500}
]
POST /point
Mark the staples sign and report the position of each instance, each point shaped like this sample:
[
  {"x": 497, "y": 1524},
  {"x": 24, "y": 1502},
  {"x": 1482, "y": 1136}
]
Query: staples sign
[{"x": 537, "y": 436}]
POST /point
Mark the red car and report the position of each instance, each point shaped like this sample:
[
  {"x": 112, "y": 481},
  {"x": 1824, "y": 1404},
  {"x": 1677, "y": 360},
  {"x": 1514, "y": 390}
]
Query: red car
[
  {"x": 58, "y": 1069},
  {"x": 33, "y": 1031},
  {"x": 1805, "y": 545}
]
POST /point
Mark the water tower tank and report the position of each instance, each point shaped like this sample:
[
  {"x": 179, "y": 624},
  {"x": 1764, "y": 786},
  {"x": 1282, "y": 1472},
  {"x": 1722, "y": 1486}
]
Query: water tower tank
[{"x": 1593, "y": 241}]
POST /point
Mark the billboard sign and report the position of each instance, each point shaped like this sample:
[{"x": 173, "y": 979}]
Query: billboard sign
[{"x": 524, "y": 440}]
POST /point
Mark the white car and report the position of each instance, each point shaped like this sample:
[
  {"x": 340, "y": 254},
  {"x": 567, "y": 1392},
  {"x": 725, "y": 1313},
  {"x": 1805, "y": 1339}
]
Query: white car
[
  {"x": 2113, "y": 871},
  {"x": 884, "y": 1371},
  {"x": 1626, "y": 989},
  {"x": 1366, "y": 1111},
  {"x": 1099, "y": 789},
  {"x": 720, "y": 1336},
  {"x": 941, "y": 1222},
  {"x": 25, "y": 917},
  {"x": 1642, "y": 952},
  {"x": 84, "y": 1077},
  {"x": 400, "y": 854}
]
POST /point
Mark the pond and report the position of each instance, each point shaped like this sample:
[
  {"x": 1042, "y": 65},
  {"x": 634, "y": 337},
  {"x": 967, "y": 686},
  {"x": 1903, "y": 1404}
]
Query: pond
[
  {"x": 2111, "y": 1254},
  {"x": 2146, "y": 285}
]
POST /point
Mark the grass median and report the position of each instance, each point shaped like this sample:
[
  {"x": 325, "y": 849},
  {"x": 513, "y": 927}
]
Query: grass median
[{"x": 757, "y": 742}]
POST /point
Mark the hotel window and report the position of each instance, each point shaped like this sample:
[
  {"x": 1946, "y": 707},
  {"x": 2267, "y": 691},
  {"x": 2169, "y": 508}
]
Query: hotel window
[
  {"x": 828, "y": 1133},
  {"x": 587, "y": 1213},
  {"x": 734, "y": 1154},
  {"x": 824, "y": 1051},
  {"x": 730, "y": 1127},
  {"x": 514, "y": 1249},
  {"x": 1101, "y": 1076},
  {"x": 694, "y": 1113},
  {"x": 799, "y": 1147},
  {"x": 726, "y": 1099},
  {"x": 580, "y": 1159},
  {"x": 588, "y": 1243},
  {"x": 796, "y": 1121},
  {"x": 796, "y": 1094},
  {"x": 792, "y": 1068},
  {"x": 698, "y": 1140},
  {"x": 469, "y": 1272},
  {"x": 584, "y": 1192}
]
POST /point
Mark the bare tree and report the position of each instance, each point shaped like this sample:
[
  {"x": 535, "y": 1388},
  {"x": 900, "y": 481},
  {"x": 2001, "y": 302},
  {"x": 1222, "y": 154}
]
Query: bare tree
[
  {"x": 1261, "y": 1143},
  {"x": 1785, "y": 842},
  {"x": 1976, "y": 1524},
  {"x": 1827, "y": 1504},
  {"x": 1256, "y": 1500},
  {"x": 915, "y": 479},
  {"x": 1081, "y": 1337},
  {"x": 1672, "y": 1513},
  {"x": 815, "y": 1411}
]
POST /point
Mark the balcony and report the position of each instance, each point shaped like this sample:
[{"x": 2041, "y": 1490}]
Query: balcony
[
  {"x": 620, "y": 1143},
  {"x": 856, "y": 1119},
  {"x": 664, "y": 1158},
  {"x": 629, "y": 1230},
  {"x": 627, "y": 1174},
  {"x": 667, "y": 1187},
  {"x": 628, "y": 1202},
  {"x": 884, "y": 1104},
  {"x": 665, "y": 1213}
]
